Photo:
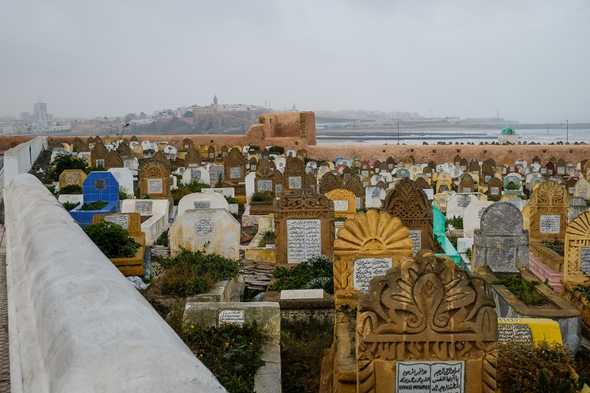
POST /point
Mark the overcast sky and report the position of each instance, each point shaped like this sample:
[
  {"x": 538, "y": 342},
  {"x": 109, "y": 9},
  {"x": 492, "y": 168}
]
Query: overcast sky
[{"x": 529, "y": 60}]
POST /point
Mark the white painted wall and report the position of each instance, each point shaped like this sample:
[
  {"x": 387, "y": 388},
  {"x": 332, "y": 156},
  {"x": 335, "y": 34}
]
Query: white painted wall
[
  {"x": 20, "y": 159},
  {"x": 76, "y": 324}
]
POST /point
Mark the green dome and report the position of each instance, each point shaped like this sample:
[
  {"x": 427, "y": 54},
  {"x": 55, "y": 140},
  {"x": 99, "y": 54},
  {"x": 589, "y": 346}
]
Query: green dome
[{"x": 508, "y": 131}]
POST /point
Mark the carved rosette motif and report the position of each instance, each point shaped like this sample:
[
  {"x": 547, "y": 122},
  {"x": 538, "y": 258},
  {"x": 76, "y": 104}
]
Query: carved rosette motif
[
  {"x": 374, "y": 233},
  {"x": 427, "y": 309}
]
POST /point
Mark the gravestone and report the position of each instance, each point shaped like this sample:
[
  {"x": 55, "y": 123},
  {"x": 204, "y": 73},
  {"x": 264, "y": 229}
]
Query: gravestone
[
  {"x": 374, "y": 196},
  {"x": 444, "y": 183},
  {"x": 501, "y": 243},
  {"x": 192, "y": 157},
  {"x": 426, "y": 341},
  {"x": 547, "y": 209},
  {"x": 329, "y": 182},
  {"x": 154, "y": 179},
  {"x": 582, "y": 189},
  {"x": 353, "y": 183},
  {"x": 124, "y": 177},
  {"x": 113, "y": 160},
  {"x": 457, "y": 203},
  {"x": 367, "y": 246},
  {"x": 71, "y": 177},
  {"x": 576, "y": 267},
  {"x": 411, "y": 205},
  {"x": 197, "y": 174},
  {"x": 467, "y": 185},
  {"x": 494, "y": 191},
  {"x": 472, "y": 216},
  {"x": 201, "y": 200},
  {"x": 234, "y": 167},
  {"x": 216, "y": 175},
  {"x": 304, "y": 226},
  {"x": 294, "y": 175},
  {"x": 344, "y": 203},
  {"x": 98, "y": 155},
  {"x": 212, "y": 231}
]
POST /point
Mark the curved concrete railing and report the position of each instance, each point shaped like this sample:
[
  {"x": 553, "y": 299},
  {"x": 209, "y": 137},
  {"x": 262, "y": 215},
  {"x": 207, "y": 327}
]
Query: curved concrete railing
[{"x": 76, "y": 324}]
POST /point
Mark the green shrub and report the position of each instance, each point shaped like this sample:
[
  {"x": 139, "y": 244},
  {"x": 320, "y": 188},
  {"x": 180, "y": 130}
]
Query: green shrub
[
  {"x": 542, "y": 368},
  {"x": 267, "y": 238},
  {"x": 190, "y": 273},
  {"x": 71, "y": 189},
  {"x": 512, "y": 186},
  {"x": 278, "y": 150},
  {"x": 63, "y": 162},
  {"x": 265, "y": 196},
  {"x": 314, "y": 273},
  {"x": 163, "y": 239},
  {"x": 184, "y": 190},
  {"x": 303, "y": 343},
  {"x": 94, "y": 205},
  {"x": 523, "y": 289},
  {"x": 69, "y": 205},
  {"x": 231, "y": 200},
  {"x": 112, "y": 239},
  {"x": 232, "y": 353},
  {"x": 456, "y": 222}
]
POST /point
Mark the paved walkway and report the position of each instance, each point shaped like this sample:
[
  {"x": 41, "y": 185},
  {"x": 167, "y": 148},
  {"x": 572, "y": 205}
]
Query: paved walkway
[{"x": 4, "y": 356}]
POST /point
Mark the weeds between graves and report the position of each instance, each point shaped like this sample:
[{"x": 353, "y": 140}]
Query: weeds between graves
[
  {"x": 267, "y": 239},
  {"x": 303, "y": 343},
  {"x": 523, "y": 289},
  {"x": 232, "y": 353},
  {"x": 70, "y": 205},
  {"x": 184, "y": 190},
  {"x": 555, "y": 245},
  {"x": 112, "y": 239},
  {"x": 456, "y": 222},
  {"x": 94, "y": 205},
  {"x": 71, "y": 189},
  {"x": 524, "y": 368},
  {"x": 190, "y": 273},
  {"x": 262, "y": 196},
  {"x": 314, "y": 273},
  {"x": 63, "y": 162}
]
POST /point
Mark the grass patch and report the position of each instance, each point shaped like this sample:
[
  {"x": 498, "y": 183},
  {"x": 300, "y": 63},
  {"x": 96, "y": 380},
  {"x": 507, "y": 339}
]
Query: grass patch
[
  {"x": 302, "y": 346},
  {"x": 112, "y": 239},
  {"x": 232, "y": 353},
  {"x": 314, "y": 273},
  {"x": 524, "y": 290},
  {"x": 190, "y": 273}
]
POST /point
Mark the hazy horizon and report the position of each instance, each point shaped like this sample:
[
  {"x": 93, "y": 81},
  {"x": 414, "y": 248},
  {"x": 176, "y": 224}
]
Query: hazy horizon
[{"x": 527, "y": 61}]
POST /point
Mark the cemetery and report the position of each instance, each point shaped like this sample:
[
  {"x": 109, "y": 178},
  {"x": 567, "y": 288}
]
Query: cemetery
[{"x": 266, "y": 268}]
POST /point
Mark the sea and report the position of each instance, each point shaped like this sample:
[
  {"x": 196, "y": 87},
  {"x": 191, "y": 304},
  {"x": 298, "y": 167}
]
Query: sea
[{"x": 389, "y": 136}]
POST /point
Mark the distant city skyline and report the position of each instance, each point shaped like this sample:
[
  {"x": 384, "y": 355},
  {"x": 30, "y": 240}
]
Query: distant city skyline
[{"x": 526, "y": 59}]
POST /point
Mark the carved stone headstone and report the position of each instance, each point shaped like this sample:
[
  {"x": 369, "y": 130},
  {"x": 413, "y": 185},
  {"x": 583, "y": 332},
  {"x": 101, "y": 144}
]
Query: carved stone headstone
[
  {"x": 547, "y": 209},
  {"x": 154, "y": 179},
  {"x": 98, "y": 155},
  {"x": 304, "y": 226},
  {"x": 367, "y": 246},
  {"x": 413, "y": 335},
  {"x": 576, "y": 267},
  {"x": 410, "y": 204},
  {"x": 294, "y": 175},
  {"x": 344, "y": 202},
  {"x": 467, "y": 185},
  {"x": 501, "y": 243},
  {"x": 234, "y": 167},
  {"x": 72, "y": 177},
  {"x": 494, "y": 192}
]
